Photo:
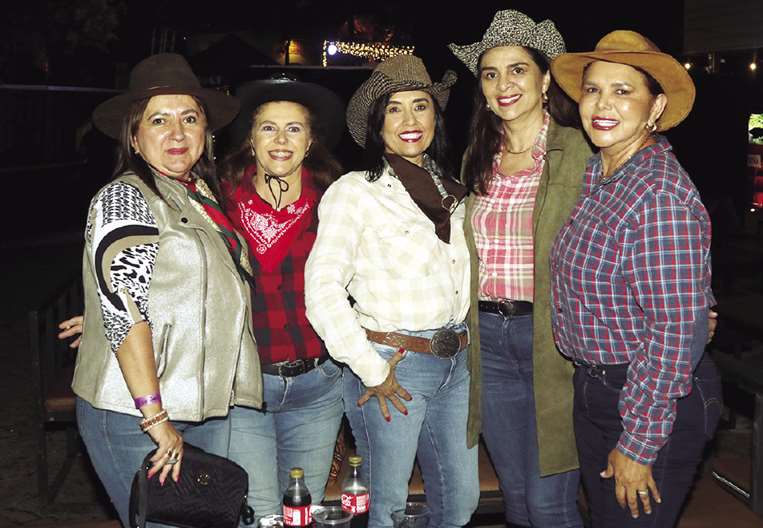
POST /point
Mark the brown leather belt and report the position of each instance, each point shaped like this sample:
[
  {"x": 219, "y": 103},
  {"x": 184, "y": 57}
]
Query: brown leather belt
[{"x": 424, "y": 345}]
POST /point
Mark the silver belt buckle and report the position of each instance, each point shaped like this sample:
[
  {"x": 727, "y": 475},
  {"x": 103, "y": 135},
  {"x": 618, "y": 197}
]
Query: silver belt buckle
[{"x": 445, "y": 343}]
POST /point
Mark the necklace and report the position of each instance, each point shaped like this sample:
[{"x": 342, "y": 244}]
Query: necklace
[
  {"x": 520, "y": 151},
  {"x": 448, "y": 201}
]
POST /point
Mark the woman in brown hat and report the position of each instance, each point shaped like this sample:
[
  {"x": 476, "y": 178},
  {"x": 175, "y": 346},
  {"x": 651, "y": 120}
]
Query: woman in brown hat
[
  {"x": 167, "y": 343},
  {"x": 631, "y": 288},
  {"x": 524, "y": 165},
  {"x": 273, "y": 182},
  {"x": 391, "y": 237}
]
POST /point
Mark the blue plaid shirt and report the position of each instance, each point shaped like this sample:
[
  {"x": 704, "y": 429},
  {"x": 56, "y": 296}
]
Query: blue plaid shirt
[{"x": 631, "y": 284}]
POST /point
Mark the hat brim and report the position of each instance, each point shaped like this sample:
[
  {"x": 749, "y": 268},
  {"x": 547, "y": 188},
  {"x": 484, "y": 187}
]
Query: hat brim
[
  {"x": 675, "y": 81},
  {"x": 109, "y": 116},
  {"x": 378, "y": 85},
  {"x": 324, "y": 104}
]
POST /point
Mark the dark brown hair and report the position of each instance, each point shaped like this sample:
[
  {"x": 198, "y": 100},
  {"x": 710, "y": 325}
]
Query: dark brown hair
[
  {"x": 486, "y": 131},
  {"x": 373, "y": 154},
  {"x": 129, "y": 160},
  {"x": 325, "y": 169}
]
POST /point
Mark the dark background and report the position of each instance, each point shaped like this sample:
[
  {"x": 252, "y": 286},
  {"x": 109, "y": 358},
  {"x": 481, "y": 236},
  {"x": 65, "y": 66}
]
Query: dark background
[{"x": 52, "y": 161}]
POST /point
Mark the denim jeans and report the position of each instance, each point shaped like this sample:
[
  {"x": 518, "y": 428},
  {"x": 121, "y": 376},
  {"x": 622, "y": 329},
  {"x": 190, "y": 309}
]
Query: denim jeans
[
  {"x": 117, "y": 447},
  {"x": 434, "y": 432},
  {"x": 509, "y": 430},
  {"x": 297, "y": 428},
  {"x": 598, "y": 427}
]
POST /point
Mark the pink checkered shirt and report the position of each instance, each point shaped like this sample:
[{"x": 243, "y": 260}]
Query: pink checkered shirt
[{"x": 503, "y": 228}]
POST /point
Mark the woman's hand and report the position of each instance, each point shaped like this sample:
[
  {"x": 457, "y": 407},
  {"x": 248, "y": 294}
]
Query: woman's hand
[
  {"x": 169, "y": 447},
  {"x": 633, "y": 481},
  {"x": 712, "y": 324},
  {"x": 389, "y": 389},
  {"x": 71, "y": 327}
]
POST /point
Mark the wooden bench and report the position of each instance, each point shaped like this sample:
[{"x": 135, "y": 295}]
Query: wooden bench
[
  {"x": 53, "y": 363},
  {"x": 491, "y": 499}
]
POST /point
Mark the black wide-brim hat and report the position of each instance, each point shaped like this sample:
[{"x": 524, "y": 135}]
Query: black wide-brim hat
[
  {"x": 325, "y": 105},
  {"x": 164, "y": 74}
]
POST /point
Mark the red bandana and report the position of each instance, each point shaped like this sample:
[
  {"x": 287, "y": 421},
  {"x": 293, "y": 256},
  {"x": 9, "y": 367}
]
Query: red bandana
[{"x": 268, "y": 232}]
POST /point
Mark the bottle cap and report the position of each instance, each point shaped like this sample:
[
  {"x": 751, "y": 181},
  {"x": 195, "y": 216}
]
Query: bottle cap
[
  {"x": 297, "y": 472},
  {"x": 355, "y": 460}
]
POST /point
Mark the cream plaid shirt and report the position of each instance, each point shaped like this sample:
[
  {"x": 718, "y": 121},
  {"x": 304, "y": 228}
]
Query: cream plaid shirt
[{"x": 376, "y": 245}]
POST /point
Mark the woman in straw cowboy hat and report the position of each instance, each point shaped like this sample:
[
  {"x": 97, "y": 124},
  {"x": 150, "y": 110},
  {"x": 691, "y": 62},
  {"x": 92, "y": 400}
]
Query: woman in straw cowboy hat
[
  {"x": 524, "y": 165},
  {"x": 631, "y": 288},
  {"x": 167, "y": 344},
  {"x": 391, "y": 237},
  {"x": 273, "y": 182}
]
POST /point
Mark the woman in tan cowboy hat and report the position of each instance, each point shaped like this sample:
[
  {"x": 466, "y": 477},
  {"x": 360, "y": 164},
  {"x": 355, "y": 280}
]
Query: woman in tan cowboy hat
[
  {"x": 524, "y": 164},
  {"x": 631, "y": 288},
  {"x": 391, "y": 237},
  {"x": 167, "y": 345},
  {"x": 273, "y": 182}
]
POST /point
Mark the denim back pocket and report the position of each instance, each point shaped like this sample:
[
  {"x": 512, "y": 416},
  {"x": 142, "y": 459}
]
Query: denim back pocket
[{"x": 710, "y": 392}]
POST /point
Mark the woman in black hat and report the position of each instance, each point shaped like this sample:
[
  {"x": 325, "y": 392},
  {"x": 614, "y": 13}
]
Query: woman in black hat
[
  {"x": 273, "y": 182},
  {"x": 167, "y": 343}
]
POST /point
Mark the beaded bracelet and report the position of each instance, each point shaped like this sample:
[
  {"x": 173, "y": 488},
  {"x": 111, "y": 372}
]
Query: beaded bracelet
[
  {"x": 148, "y": 423},
  {"x": 142, "y": 401}
]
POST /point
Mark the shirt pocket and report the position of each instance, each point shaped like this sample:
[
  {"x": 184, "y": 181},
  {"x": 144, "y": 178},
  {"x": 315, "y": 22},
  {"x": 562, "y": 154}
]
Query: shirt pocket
[{"x": 403, "y": 250}]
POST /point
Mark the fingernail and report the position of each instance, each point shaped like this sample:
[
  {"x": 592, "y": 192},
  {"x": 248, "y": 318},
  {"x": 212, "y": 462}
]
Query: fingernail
[
  {"x": 405, "y": 412},
  {"x": 388, "y": 418}
]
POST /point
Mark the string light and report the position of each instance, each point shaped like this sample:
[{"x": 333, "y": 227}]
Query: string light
[
  {"x": 687, "y": 65},
  {"x": 753, "y": 66},
  {"x": 370, "y": 50}
]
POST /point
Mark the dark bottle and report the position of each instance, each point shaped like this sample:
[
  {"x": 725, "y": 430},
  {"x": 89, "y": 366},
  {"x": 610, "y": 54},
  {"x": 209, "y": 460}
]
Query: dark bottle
[
  {"x": 297, "y": 500},
  {"x": 355, "y": 498}
]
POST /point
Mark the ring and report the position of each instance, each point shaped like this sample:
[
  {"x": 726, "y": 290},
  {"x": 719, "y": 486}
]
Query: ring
[
  {"x": 643, "y": 493},
  {"x": 172, "y": 461}
]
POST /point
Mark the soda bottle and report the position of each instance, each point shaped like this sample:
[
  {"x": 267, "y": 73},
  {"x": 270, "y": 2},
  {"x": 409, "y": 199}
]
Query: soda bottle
[
  {"x": 355, "y": 498},
  {"x": 296, "y": 500}
]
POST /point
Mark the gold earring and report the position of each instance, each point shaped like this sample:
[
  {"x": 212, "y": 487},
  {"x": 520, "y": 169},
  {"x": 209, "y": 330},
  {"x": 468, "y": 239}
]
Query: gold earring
[
  {"x": 545, "y": 98},
  {"x": 651, "y": 127}
]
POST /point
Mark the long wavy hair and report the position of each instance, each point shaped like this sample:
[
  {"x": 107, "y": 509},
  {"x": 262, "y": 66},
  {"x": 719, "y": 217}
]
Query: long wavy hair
[
  {"x": 373, "y": 154},
  {"x": 129, "y": 160},
  {"x": 325, "y": 169},
  {"x": 486, "y": 131}
]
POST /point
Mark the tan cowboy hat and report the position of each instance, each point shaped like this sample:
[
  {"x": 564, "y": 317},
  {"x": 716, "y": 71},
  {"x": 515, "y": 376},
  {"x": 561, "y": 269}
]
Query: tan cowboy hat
[
  {"x": 396, "y": 74},
  {"x": 163, "y": 74},
  {"x": 631, "y": 48}
]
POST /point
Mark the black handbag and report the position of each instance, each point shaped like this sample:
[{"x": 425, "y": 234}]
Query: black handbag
[{"x": 211, "y": 492}]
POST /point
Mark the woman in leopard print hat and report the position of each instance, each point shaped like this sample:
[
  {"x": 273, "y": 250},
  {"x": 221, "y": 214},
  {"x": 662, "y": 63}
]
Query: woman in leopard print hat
[{"x": 524, "y": 167}]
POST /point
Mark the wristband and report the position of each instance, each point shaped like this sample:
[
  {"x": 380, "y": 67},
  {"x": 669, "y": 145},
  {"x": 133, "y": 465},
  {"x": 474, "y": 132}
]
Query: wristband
[{"x": 142, "y": 401}]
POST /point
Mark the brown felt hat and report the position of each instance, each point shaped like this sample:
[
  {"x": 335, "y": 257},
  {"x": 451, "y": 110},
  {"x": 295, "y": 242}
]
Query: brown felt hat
[
  {"x": 397, "y": 74},
  {"x": 631, "y": 48},
  {"x": 163, "y": 74}
]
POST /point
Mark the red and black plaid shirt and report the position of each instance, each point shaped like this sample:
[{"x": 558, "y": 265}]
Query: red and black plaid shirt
[{"x": 279, "y": 244}]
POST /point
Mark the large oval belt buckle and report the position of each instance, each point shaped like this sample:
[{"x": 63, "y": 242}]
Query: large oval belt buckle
[{"x": 445, "y": 343}]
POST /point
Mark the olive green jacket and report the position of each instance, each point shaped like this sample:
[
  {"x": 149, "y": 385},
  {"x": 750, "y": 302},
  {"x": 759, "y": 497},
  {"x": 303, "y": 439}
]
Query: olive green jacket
[{"x": 558, "y": 191}]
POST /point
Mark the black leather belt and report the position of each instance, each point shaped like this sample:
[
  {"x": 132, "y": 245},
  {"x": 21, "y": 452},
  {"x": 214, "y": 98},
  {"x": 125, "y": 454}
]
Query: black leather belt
[
  {"x": 506, "y": 307},
  {"x": 289, "y": 369}
]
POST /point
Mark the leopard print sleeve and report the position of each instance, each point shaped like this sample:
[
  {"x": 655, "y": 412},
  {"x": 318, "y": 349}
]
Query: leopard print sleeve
[{"x": 124, "y": 242}]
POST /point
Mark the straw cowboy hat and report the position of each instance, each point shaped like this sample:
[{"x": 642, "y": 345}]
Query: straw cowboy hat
[
  {"x": 631, "y": 48},
  {"x": 397, "y": 74},
  {"x": 324, "y": 104},
  {"x": 511, "y": 28},
  {"x": 163, "y": 74}
]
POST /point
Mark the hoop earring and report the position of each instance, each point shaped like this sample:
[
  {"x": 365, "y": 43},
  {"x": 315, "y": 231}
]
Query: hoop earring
[{"x": 545, "y": 98}]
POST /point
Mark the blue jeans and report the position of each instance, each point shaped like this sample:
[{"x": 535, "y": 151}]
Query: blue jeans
[
  {"x": 297, "y": 428},
  {"x": 509, "y": 428},
  {"x": 117, "y": 447},
  {"x": 598, "y": 427},
  {"x": 434, "y": 431}
]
